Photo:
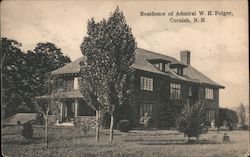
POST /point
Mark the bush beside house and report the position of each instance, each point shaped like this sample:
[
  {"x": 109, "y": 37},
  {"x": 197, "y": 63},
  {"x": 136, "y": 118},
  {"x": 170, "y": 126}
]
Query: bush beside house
[
  {"x": 192, "y": 119},
  {"x": 228, "y": 117}
]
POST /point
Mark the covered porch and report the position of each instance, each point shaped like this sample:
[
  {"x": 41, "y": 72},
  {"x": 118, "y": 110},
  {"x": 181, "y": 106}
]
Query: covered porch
[{"x": 72, "y": 107}]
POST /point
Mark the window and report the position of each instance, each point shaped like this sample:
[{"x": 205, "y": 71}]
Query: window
[
  {"x": 161, "y": 67},
  {"x": 157, "y": 65},
  {"x": 166, "y": 66},
  {"x": 209, "y": 94},
  {"x": 180, "y": 71},
  {"x": 147, "y": 83},
  {"x": 146, "y": 108},
  {"x": 60, "y": 85},
  {"x": 211, "y": 114},
  {"x": 175, "y": 70},
  {"x": 184, "y": 71},
  {"x": 175, "y": 91},
  {"x": 76, "y": 83}
]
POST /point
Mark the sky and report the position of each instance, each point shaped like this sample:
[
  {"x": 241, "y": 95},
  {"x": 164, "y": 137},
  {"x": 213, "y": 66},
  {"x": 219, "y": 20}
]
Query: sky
[{"x": 219, "y": 47}]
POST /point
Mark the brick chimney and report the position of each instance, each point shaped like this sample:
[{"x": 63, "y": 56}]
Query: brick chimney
[{"x": 185, "y": 57}]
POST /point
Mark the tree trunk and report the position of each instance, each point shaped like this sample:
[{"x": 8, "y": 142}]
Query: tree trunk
[
  {"x": 97, "y": 133},
  {"x": 111, "y": 128},
  {"x": 46, "y": 132}
]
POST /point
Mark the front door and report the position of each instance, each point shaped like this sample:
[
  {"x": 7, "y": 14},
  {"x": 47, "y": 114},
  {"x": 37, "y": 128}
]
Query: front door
[
  {"x": 192, "y": 95},
  {"x": 70, "y": 111}
]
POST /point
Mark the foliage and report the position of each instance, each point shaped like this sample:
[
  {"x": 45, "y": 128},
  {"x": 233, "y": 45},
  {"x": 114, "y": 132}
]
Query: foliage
[
  {"x": 18, "y": 123},
  {"x": 27, "y": 131},
  {"x": 168, "y": 114},
  {"x": 24, "y": 74},
  {"x": 227, "y": 115},
  {"x": 192, "y": 119},
  {"x": 124, "y": 125},
  {"x": 109, "y": 50},
  {"x": 39, "y": 119},
  {"x": 241, "y": 112},
  {"x": 45, "y": 58},
  {"x": 12, "y": 70},
  {"x": 82, "y": 126}
]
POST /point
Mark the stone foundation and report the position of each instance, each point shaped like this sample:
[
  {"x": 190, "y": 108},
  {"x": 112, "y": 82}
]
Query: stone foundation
[{"x": 91, "y": 120}]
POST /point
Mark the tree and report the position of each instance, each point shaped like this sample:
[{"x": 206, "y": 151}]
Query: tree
[
  {"x": 192, "y": 119},
  {"x": 45, "y": 106},
  {"x": 45, "y": 58},
  {"x": 241, "y": 112},
  {"x": 227, "y": 115},
  {"x": 24, "y": 74},
  {"x": 12, "y": 68},
  {"x": 109, "y": 48}
]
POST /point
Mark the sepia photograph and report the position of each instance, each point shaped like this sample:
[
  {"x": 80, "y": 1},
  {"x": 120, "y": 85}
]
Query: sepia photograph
[{"x": 118, "y": 78}]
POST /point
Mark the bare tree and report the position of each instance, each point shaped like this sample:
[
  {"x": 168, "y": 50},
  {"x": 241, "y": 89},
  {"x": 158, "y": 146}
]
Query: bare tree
[{"x": 47, "y": 105}]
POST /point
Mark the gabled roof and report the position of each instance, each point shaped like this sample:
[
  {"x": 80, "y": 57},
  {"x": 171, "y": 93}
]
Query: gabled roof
[
  {"x": 72, "y": 67},
  {"x": 142, "y": 62}
]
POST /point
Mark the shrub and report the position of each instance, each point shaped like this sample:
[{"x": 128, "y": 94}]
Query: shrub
[
  {"x": 19, "y": 123},
  {"x": 123, "y": 125},
  {"x": 39, "y": 119},
  {"x": 27, "y": 131},
  {"x": 168, "y": 114},
  {"x": 227, "y": 115},
  {"x": 82, "y": 126},
  {"x": 192, "y": 120},
  {"x": 122, "y": 112}
]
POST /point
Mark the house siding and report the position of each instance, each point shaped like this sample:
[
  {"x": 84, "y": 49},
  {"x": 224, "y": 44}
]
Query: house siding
[{"x": 161, "y": 96}]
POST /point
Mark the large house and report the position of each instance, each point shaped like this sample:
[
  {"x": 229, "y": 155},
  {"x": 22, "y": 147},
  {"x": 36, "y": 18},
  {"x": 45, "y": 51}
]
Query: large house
[{"x": 159, "y": 80}]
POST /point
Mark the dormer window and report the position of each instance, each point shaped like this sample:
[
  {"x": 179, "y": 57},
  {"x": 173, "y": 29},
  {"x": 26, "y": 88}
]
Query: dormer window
[
  {"x": 157, "y": 65},
  {"x": 166, "y": 66},
  {"x": 180, "y": 71},
  {"x": 160, "y": 64},
  {"x": 178, "y": 68}
]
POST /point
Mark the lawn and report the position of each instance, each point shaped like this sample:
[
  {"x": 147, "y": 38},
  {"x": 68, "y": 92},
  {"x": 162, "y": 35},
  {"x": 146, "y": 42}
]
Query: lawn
[{"x": 67, "y": 142}]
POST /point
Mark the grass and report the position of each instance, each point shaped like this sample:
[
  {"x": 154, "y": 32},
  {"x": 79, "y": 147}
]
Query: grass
[{"x": 67, "y": 142}]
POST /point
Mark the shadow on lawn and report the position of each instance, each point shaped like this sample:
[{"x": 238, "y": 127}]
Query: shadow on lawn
[
  {"x": 23, "y": 141},
  {"x": 172, "y": 142}
]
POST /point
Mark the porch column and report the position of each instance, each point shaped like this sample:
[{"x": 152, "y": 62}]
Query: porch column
[
  {"x": 76, "y": 107},
  {"x": 61, "y": 112}
]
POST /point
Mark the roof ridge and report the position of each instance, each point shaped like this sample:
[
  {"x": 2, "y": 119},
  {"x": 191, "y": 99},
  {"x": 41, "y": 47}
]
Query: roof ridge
[{"x": 150, "y": 51}]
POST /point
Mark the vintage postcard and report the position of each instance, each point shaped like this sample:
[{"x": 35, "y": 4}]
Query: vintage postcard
[{"x": 124, "y": 78}]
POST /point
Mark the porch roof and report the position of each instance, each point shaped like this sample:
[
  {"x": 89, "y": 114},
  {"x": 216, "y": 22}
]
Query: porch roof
[{"x": 63, "y": 95}]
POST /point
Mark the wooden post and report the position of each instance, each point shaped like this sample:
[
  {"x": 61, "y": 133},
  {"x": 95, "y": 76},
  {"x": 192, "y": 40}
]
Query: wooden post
[
  {"x": 61, "y": 112},
  {"x": 111, "y": 128},
  {"x": 97, "y": 125},
  {"x": 46, "y": 131},
  {"x": 76, "y": 107}
]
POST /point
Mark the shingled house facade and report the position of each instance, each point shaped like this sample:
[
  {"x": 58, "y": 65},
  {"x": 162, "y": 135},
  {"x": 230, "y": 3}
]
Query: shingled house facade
[{"x": 159, "y": 80}]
